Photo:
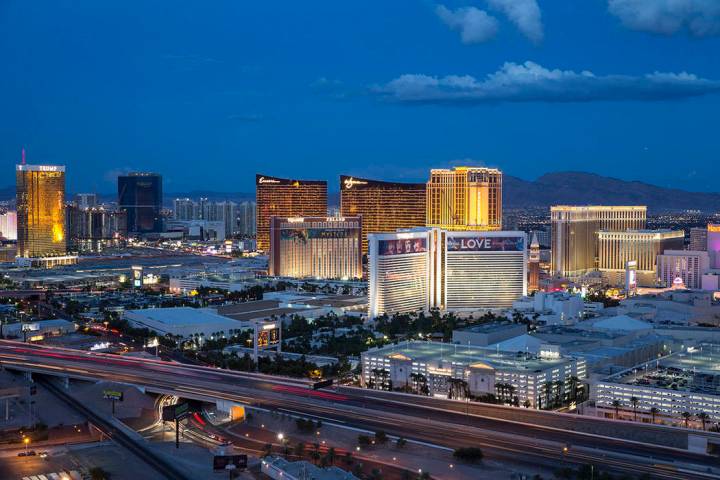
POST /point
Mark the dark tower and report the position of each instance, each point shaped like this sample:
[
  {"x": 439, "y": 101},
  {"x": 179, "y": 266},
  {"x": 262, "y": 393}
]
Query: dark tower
[{"x": 140, "y": 196}]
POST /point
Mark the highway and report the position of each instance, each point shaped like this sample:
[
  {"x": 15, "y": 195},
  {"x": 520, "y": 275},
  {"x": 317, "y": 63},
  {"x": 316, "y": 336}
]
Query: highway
[{"x": 402, "y": 415}]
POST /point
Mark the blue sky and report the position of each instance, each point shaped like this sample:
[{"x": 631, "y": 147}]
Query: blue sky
[{"x": 208, "y": 93}]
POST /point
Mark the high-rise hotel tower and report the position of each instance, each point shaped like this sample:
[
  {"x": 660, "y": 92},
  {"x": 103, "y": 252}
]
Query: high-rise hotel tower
[
  {"x": 40, "y": 210},
  {"x": 465, "y": 198},
  {"x": 284, "y": 197},
  {"x": 384, "y": 206},
  {"x": 575, "y": 231}
]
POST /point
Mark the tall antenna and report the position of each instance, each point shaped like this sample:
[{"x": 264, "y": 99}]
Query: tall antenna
[{"x": 23, "y": 156}]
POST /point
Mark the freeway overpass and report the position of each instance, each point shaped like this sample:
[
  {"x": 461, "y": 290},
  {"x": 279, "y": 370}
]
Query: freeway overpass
[{"x": 445, "y": 423}]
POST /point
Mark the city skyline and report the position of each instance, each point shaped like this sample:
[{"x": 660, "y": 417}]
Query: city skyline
[{"x": 378, "y": 101}]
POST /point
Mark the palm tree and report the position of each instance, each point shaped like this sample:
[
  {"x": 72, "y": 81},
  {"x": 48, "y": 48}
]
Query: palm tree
[
  {"x": 653, "y": 412},
  {"x": 616, "y": 406},
  {"x": 331, "y": 455},
  {"x": 634, "y": 401},
  {"x": 573, "y": 387},
  {"x": 703, "y": 417},
  {"x": 548, "y": 393},
  {"x": 686, "y": 416}
]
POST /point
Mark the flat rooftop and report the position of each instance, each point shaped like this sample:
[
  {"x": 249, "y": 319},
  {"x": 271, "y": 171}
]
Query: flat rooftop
[
  {"x": 183, "y": 316},
  {"x": 489, "y": 327},
  {"x": 694, "y": 370},
  {"x": 466, "y": 355}
]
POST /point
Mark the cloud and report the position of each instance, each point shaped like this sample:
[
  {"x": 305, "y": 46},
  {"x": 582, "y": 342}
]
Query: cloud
[
  {"x": 474, "y": 25},
  {"x": 530, "y": 82},
  {"x": 525, "y": 14},
  {"x": 700, "y": 17}
]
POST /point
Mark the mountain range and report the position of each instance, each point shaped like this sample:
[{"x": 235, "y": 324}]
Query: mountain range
[{"x": 559, "y": 188}]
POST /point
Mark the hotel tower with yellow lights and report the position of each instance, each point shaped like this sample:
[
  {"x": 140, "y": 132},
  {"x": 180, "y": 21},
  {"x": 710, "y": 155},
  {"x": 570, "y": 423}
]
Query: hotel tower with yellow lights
[
  {"x": 385, "y": 207},
  {"x": 283, "y": 197},
  {"x": 465, "y": 198},
  {"x": 40, "y": 211}
]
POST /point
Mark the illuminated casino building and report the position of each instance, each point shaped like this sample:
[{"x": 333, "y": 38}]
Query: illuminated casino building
[
  {"x": 384, "y": 206},
  {"x": 284, "y": 197},
  {"x": 426, "y": 268},
  {"x": 616, "y": 249},
  {"x": 713, "y": 245},
  {"x": 41, "y": 215},
  {"x": 465, "y": 198},
  {"x": 316, "y": 247},
  {"x": 575, "y": 230}
]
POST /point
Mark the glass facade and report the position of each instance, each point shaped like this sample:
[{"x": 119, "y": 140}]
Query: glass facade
[
  {"x": 284, "y": 197},
  {"x": 384, "y": 206},
  {"x": 465, "y": 198},
  {"x": 140, "y": 195},
  {"x": 40, "y": 210},
  {"x": 574, "y": 242}
]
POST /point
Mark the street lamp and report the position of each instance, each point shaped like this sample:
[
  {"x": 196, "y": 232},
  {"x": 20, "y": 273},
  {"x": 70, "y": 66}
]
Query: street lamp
[
  {"x": 280, "y": 436},
  {"x": 26, "y": 441}
]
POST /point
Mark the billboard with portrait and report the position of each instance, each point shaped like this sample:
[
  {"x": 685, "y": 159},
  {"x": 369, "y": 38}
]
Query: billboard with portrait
[{"x": 402, "y": 246}]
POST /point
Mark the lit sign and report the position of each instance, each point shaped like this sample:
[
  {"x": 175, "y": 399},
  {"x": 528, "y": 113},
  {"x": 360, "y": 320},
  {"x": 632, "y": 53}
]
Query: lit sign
[
  {"x": 713, "y": 228},
  {"x": 485, "y": 244},
  {"x": 268, "y": 337},
  {"x": 351, "y": 182},
  {"x": 402, "y": 246},
  {"x": 303, "y": 235},
  {"x": 263, "y": 180}
]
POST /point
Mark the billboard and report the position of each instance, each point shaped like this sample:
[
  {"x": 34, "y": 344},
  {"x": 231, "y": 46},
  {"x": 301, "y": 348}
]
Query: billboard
[
  {"x": 305, "y": 234},
  {"x": 137, "y": 276},
  {"x": 485, "y": 243},
  {"x": 175, "y": 412},
  {"x": 113, "y": 395},
  {"x": 402, "y": 246},
  {"x": 630, "y": 277},
  {"x": 268, "y": 335},
  {"x": 220, "y": 462}
]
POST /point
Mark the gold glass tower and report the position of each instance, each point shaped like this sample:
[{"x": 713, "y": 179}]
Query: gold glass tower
[
  {"x": 283, "y": 197},
  {"x": 40, "y": 210},
  {"x": 465, "y": 198},
  {"x": 384, "y": 207}
]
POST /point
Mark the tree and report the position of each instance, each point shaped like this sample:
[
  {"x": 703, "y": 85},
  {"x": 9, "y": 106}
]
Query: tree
[
  {"x": 401, "y": 442},
  {"x": 703, "y": 417},
  {"x": 686, "y": 416},
  {"x": 634, "y": 401},
  {"x": 381, "y": 437},
  {"x": 97, "y": 473},
  {"x": 616, "y": 406},
  {"x": 331, "y": 455},
  {"x": 267, "y": 450},
  {"x": 653, "y": 411},
  {"x": 299, "y": 450},
  {"x": 363, "y": 440},
  {"x": 468, "y": 454}
]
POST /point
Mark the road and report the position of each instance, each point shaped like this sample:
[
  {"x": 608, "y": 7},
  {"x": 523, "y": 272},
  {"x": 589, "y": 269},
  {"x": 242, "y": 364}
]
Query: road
[{"x": 407, "y": 418}]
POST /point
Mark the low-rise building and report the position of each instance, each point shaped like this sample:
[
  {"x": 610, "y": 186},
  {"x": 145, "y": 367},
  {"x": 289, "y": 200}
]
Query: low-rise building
[
  {"x": 441, "y": 369},
  {"x": 278, "y": 468},
  {"x": 686, "y": 383},
  {"x": 554, "y": 308},
  {"x": 182, "y": 321}
]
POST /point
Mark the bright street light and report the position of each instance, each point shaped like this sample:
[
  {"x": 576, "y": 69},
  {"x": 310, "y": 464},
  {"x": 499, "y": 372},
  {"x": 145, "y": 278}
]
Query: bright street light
[{"x": 280, "y": 436}]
